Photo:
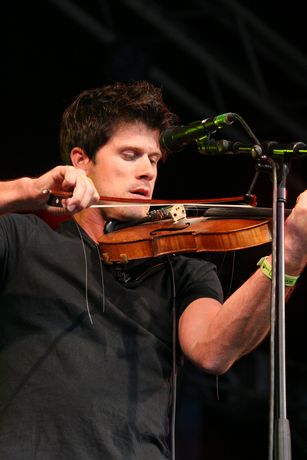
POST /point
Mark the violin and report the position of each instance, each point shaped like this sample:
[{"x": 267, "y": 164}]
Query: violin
[
  {"x": 219, "y": 229},
  {"x": 187, "y": 235}
]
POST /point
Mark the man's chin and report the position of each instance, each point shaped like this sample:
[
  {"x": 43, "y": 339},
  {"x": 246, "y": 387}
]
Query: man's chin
[{"x": 128, "y": 213}]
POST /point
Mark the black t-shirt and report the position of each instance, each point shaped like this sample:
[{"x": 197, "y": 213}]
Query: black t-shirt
[{"x": 85, "y": 353}]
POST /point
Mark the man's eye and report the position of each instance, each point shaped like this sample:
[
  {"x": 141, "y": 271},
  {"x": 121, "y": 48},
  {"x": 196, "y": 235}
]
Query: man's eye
[
  {"x": 129, "y": 155},
  {"x": 154, "y": 159}
]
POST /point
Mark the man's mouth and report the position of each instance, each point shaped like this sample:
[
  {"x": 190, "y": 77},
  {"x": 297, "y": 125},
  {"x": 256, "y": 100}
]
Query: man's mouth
[{"x": 141, "y": 193}]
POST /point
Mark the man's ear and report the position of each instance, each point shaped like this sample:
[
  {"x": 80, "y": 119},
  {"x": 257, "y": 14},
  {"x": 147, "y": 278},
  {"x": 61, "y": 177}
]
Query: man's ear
[{"x": 79, "y": 158}]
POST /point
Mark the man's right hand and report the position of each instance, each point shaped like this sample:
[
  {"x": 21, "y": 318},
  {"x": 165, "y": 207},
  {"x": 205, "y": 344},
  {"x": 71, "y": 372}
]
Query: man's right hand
[{"x": 33, "y": 193}]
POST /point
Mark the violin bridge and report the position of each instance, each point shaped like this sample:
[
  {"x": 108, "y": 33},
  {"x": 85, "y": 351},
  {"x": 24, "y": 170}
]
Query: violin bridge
[{"x": 177, "y": 212}]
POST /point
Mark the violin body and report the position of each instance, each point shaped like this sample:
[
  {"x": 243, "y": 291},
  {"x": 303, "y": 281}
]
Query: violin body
[{"x": 197, "y": 234}]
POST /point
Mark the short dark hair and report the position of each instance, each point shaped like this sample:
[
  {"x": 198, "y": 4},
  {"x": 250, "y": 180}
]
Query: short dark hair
[{"x": 92, "y": 118}]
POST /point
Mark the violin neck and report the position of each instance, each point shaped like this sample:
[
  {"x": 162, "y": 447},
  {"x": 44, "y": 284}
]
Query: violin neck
[{"x": 230, "y": 211}]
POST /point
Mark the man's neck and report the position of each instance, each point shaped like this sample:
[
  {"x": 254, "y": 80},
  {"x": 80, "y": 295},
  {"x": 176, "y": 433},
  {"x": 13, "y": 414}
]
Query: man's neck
[{"x": 92, "y": 222}]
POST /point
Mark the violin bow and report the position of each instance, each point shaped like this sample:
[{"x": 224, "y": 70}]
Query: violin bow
[{"x": 55, "y": 199}]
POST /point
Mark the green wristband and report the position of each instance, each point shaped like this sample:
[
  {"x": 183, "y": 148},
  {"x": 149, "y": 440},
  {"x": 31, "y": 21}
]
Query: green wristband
[{"x": 266, "y": 269}]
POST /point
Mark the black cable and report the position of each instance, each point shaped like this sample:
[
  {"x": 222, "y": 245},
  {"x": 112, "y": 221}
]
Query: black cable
[{"x": 174, "y": 359}]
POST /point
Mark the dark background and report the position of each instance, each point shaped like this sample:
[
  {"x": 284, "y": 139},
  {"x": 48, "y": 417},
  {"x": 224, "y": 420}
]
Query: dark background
[{"x": 209, "y": 58}]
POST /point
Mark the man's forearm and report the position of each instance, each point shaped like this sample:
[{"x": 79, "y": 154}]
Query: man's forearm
[{"x": 15, "y": 195}]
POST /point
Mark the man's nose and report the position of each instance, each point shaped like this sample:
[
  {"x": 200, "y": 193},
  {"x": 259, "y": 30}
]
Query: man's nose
[{"x": 146, "y": 168}]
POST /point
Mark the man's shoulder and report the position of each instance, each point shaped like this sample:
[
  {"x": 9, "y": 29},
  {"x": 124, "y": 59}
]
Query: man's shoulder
[
  {"x": 23, "y": 226},
  {"x": 21, "y": 219}
]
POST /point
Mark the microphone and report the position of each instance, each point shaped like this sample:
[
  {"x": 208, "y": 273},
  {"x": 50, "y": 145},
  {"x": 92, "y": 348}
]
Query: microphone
[{"x": 176, "y": 138}]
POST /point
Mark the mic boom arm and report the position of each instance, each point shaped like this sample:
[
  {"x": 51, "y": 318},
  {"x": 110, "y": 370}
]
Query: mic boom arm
[
  {"x": 267, "y": 148},
  {"x": 176, "y": 138}
]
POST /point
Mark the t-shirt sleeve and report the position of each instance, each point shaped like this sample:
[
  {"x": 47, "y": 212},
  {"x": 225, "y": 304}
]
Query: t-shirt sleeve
[
  {"x": 7, "y": 229},
  {"x": 196, "y": 278},
  {"x": 16, "y": 230}
]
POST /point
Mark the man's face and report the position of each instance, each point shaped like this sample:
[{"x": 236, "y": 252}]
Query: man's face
[{"x": 126, "y": 167}]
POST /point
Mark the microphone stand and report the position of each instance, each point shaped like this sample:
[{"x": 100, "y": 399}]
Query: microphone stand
[
  {"x": 279, "y": 428},
  {"x": 275, "y": 158}
]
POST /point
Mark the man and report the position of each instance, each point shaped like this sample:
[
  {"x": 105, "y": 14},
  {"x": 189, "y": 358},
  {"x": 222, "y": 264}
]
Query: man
[{"x": 87, "y": 349}]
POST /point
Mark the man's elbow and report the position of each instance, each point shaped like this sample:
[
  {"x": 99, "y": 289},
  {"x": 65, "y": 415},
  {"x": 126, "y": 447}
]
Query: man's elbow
[{"x": 216, "y": 365}]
